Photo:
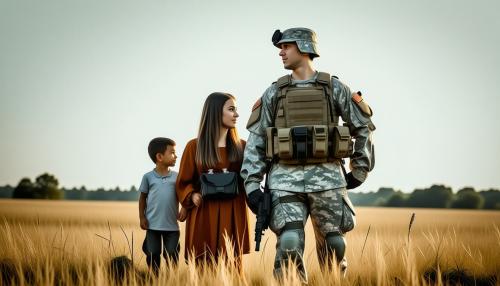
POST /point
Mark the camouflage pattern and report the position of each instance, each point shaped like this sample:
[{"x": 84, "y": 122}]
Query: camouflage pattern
[
  {"x": 321, "y": 185},
  {"x": 328, "y": 215},
  {"x": 326, "y": 208},
  {"x": 311, "y": 177},
  {"x": 303, "y": 37}
]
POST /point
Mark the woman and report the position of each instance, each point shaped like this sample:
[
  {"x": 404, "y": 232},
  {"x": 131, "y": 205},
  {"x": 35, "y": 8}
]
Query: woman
[{"x": 217, "y": 147}]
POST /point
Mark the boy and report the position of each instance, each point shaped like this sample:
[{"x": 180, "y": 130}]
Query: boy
[{"x": 158, "y": 205}]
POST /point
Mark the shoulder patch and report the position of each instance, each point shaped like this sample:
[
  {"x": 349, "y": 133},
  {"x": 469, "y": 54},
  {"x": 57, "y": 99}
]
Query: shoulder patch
[
  {"x": 255, "y": 116},
  {"x": 363, "y": 106},
  {"x": 257, "y": 104}
]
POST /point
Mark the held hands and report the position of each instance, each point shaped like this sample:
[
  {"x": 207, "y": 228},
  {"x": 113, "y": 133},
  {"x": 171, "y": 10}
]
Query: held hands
[
  {"x": 196, "y": 198},
  {"x": 181, "y": 216},
  {"x": 144, "y": 222},
  {"x": 254, "y": 199},
  {"x": 352, "y": 182}
]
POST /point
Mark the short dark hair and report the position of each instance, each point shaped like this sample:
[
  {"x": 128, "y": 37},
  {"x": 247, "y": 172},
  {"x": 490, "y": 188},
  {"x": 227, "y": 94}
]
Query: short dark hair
[{"x": 159, "y": 145}]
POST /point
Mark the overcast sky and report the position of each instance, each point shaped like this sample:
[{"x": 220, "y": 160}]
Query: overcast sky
[{"x": 84, "y": 85}]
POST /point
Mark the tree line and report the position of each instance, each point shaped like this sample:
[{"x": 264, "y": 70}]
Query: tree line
[
  {"x": 46, "y": 186},
  {"x": 436, "y": 196}
]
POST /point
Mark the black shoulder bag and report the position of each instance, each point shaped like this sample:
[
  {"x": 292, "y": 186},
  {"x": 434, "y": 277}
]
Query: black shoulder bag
[{"x": 217, "y": 186}]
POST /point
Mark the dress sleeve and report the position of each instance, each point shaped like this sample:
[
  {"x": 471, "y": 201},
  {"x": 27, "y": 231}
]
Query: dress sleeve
[{"x": 187, "y": 177}]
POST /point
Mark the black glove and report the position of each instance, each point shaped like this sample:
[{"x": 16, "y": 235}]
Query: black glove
[
  {"x": 351, "y": 181},
  {"x": 254, "y": 198}
]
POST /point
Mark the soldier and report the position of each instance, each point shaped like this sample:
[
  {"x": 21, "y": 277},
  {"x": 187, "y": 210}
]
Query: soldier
[{"x": 294, "y": 129}]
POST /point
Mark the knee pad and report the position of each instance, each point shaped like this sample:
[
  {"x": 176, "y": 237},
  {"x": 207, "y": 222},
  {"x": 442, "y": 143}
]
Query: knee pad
[
  {"x": 335, "y": 242},
  {"x": 289, "y": 241}
]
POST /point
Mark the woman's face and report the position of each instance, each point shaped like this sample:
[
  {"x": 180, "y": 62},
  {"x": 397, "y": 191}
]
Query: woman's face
[{"x": 229, "y": 114}]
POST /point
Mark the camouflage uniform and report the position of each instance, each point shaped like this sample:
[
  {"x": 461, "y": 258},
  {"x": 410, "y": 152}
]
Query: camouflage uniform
[{"x": 312, "y": 189}]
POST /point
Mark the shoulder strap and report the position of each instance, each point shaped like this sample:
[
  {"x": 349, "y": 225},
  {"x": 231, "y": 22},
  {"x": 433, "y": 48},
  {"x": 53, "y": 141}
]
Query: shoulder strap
[
  {"x": 284, "y": 81},
  {"x": 324, "y": 78},
  {"x": 282, "y": 84}
]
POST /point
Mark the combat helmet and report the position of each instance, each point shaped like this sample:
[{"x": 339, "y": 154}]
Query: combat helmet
[{"x": 303, "y": 37}]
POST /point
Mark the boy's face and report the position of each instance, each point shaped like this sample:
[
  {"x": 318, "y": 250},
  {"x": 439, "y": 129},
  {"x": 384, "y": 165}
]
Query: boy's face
[{"x": 168, "y": 157}]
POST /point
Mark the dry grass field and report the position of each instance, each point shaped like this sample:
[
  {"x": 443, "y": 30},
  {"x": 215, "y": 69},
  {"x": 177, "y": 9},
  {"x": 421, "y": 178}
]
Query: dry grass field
[{"x": 72, "y": 243}]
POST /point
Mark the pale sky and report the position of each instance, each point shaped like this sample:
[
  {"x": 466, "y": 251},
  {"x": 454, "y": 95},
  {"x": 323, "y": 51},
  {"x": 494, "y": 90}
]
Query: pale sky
[{"x": 84, "y": 85}]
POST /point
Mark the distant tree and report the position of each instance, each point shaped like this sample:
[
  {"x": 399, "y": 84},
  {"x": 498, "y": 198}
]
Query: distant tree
[
  {"x": 466, "y": 190},
  {"x": 25, "y": 189},
  {"x": 396, "y": 200},
  {"x": 437, "y": 196},
  {"x": 6, "y": 191},
  {"x": 378, "y": 198},
  {"x": 467, "y": 198},
  {"x": 132, "y": 194},
  {"x": 491, "y": 199},
  {"x": 46, "y": 187}
]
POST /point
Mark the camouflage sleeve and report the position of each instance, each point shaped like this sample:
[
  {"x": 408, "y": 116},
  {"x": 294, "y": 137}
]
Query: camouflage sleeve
[
  {"x": 361, "y": 127},
  {"x": 254, "y": 163}
]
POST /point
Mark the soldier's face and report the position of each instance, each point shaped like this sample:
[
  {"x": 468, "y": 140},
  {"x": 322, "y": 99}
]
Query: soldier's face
[
  {"x": 291, "y": 56},
  {"x": 229, "y": 114}
]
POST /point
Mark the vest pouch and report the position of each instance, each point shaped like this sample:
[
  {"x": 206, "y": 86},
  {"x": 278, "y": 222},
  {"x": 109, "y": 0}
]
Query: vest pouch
[
  {"x": 348, "y": 220},
  {"x": 270, "y": 142},
  {"x": 342, "y": 143},
  {"x": 320, "y": 141},
  {"x": 300, "y": 143},
  {"x": 285, "y": 146}
]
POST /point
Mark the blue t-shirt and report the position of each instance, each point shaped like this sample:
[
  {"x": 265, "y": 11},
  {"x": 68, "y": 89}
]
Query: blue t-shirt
[{"x": 162, "y": 206}]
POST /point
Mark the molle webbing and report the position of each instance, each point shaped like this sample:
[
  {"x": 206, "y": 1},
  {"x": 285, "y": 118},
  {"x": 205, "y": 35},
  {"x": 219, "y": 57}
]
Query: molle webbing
[
  {"x": 297, "y": 106},
  {"x": 305, "y": 124}
]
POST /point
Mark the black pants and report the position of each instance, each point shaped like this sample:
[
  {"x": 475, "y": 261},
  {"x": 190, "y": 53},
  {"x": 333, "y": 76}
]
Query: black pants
[{"x": 153, "y": 249}]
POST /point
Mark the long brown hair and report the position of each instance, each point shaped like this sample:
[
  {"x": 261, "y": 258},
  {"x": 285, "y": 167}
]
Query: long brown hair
[{"x": 207, "y": 151}]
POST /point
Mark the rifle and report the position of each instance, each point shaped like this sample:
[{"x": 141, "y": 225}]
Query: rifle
[{"x": 264, "y": 211}]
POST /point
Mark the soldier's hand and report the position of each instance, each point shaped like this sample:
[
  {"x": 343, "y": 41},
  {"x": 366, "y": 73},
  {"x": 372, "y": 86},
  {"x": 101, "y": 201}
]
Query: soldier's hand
[
  {"x": 254, "y": 198},
  {"x": 352, "y": 182}
]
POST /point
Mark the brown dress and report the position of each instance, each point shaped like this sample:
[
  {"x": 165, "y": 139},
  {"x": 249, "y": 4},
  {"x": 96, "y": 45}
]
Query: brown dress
[{"x": 206, "y": 224}]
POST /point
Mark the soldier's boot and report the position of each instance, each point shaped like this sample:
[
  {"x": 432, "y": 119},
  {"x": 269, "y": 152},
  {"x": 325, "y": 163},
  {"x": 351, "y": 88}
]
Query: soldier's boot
[
  {"x": 290, "y": 251},
  {"x": 335, "y": 246}
]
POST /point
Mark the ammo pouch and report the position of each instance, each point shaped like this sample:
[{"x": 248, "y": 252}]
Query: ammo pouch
[
  {"x": 219, "y": 185},
  {"x": 308, "y": 144},
  {"x": 348, "y": 221},
  {"x": 342, "y": 146}
]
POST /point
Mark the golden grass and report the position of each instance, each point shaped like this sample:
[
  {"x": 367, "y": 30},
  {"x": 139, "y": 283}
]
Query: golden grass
[{"x": 71, "y": 242}]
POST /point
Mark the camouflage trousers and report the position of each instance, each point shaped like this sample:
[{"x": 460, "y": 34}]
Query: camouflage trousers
[{"x": 331, "y": 213}]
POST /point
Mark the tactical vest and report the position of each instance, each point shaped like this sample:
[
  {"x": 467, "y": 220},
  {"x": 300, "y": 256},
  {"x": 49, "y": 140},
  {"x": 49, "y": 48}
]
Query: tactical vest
[{"x": 306, "y": 127}]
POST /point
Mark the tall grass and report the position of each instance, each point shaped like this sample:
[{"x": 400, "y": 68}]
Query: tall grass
[{"x": 74, "y": 243}]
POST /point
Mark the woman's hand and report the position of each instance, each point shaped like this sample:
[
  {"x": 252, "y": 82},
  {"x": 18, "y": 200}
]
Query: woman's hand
[
  {"x": 196, "y": 198},
  {"x": 181, "y": 216}
]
